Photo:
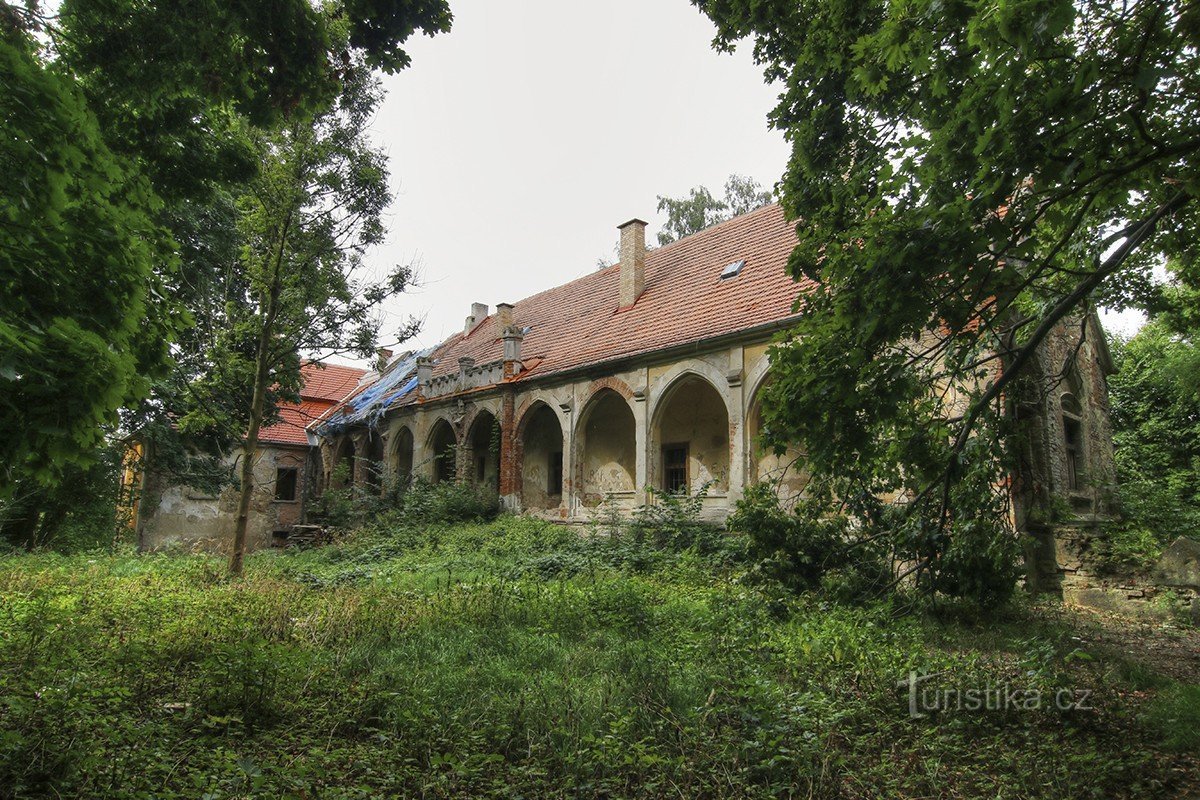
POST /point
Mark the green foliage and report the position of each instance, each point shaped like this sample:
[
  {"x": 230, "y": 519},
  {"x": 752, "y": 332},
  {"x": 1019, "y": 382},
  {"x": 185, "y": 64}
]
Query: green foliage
[
  {"x": 1156, "y": 433},
  {"x": 700, "y": 210},
  {"x": 128, "y": 129},
  {"x": 808, "y": 548},
  {"x": 415, "y": 501},
  {"x": 1176, "y": 714},
  {"x": 80, "y": 329},
  {"x": 966, "y": 177},
  {"x": 441, "y": 661}
]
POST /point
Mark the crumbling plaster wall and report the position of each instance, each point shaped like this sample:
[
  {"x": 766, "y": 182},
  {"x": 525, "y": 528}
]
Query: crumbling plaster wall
[{"x": 172, "y": 516}]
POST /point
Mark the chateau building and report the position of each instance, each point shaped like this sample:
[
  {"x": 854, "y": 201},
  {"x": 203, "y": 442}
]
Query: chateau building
[{"x": 649, "y": 374}]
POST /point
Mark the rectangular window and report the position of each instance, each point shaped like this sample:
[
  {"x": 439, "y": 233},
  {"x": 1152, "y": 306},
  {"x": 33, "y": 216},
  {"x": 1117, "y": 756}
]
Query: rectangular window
[
  {"x": 1073, "y": 436},
  {"x": 554, "y": 484},
  {"x": 285, "y": 484},
  {"x": 675, "y": 463},
  {"x": 480, "y": 468}
]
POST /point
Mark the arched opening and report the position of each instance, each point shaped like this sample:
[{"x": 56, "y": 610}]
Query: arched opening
[
  {"x": 341, "y": 471},
  {"x": 607, "y": 463},
  {"x": 541, "y": 440},
  {"x": 372, "y": 465},
  {"x": 444, "y": 448},
  {"x": 402, "y": 456},
  {"x": 483, "y": 450},
  {"x": 783, "y": 470},
  {"x": 691, "y": 438}
]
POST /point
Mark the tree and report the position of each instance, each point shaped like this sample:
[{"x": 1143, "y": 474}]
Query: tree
[
  {"x": 305, "y": 222},
  {"x": 967, "y": 176},
  {"x": 82, "y": 255},
  {"x": 700, "y": 210},
  {"x": 1156, "y": 430},
  {"x": 125, "y": 123}
]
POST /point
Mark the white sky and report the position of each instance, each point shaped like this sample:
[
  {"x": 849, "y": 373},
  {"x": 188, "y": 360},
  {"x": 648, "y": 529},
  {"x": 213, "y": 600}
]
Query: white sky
[{"x": 521, "y": 139}]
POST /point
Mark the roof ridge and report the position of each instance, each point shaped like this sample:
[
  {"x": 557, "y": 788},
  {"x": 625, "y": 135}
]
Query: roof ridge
[{"x": 713, "y": 227}]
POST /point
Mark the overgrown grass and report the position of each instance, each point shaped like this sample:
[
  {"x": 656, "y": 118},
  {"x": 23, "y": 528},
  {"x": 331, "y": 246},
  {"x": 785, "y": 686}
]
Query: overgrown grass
[{"x": 519, "y": 659}]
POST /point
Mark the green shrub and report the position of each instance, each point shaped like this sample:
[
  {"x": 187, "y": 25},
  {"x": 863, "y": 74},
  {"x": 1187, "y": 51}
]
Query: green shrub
[
  {"x": 446, "y": 502},
  {"x": 415, "y": 502},
  {"x": 807, "y": 548},
  {"x": 1175, "y": 713}
]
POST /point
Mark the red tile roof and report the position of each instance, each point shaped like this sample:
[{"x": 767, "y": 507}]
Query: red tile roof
[
  {"x": 329, "y": 381},
  {"x": 325, "y": 385},
  {"x": 685, "y": 300}
]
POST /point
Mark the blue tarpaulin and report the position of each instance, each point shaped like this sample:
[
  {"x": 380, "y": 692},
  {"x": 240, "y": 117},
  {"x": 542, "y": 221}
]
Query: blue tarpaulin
[{"x": 369, "y": 405}]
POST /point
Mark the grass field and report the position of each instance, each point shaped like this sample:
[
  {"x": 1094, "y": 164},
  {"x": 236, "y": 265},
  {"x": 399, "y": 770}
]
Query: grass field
[{"x": 518, "y": 659}]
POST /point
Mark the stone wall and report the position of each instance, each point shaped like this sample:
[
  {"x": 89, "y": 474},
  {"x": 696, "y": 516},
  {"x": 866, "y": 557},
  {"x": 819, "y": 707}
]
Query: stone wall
[{"x": 173, "y": 516}]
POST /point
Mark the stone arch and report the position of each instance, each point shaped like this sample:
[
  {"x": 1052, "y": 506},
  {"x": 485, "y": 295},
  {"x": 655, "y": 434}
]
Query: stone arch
[
  {"x": 442, "y": 446},
  {"x": 666, "y": 383},
  {"x": 402, "y": 454},
  {"x": 341, "y": 466},
  {"x": 540, "y": 446},
  {"x": 690, "y": 443},
  {"x": 784, "y": 470},
  {"x": 481, "y": 449},
  {"x": 486, "y": 407},
  {"x": 615, "y": 384},
  {"x": 606, "y": 449}
]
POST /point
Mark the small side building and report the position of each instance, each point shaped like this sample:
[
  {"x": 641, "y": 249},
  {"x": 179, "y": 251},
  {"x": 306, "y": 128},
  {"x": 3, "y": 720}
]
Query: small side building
[{"x": 171, "y": 514}]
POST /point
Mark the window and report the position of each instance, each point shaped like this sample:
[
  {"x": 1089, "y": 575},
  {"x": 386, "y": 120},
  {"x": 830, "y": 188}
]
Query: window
[
  {"x": 732, "y": 270},
  {"x": 1072, "y": 433},
  {"x": 480, "y": 468},
  {"x": 1073, "y": 440},
  {"x": 285, "y": 484},
  {"x": 554, "y": 473},
  {"x": 675, "y": 461}
]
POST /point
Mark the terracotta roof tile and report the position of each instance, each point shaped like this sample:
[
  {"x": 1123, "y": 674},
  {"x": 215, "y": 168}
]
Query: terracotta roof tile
[
  {"x": 685, "y": 300},
  {"x": 325, "y": 385},
  {"x": 330, "y": 382}
]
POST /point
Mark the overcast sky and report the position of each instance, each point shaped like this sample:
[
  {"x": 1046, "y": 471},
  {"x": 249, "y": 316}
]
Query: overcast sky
[{"x": 521, "y": 139}]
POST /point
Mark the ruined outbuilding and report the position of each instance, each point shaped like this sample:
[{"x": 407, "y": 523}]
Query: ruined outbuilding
[{"x": 171, "y": 514}]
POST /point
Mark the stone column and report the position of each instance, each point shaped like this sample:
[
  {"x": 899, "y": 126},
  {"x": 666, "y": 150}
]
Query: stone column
[
  {"x": 641, "y": 434},
  {"x": 358, "y": 470},
  {"x": 735, "y": 400}
]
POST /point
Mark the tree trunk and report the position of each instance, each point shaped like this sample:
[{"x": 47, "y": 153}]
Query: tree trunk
[
  {"x": 262, "y": 372},
  {"x": 249, "y": 454}
]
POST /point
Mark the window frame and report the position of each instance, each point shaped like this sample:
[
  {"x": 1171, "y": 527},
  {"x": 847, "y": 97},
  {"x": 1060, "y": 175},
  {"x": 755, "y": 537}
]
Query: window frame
[
  {"x": 295, "y": 475},
  {"x": 671, "y": 470}
]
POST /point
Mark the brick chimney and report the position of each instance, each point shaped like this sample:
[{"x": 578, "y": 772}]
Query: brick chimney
[
  {"x": 479, "y": 312},
  {"x": 512, "y": 337},
  {"x": 633, "y": 261},
  {"x": 424, "y": 371},
  {"x": 504, "y": 315}
]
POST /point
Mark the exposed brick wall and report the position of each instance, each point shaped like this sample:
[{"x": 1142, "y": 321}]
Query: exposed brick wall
[
  {"x": 616, "y": 384},
  {"x": 510, "y": 446}
]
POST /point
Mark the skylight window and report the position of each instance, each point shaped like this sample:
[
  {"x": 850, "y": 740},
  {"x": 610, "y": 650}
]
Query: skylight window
[{"x": 732, "y": 269}]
